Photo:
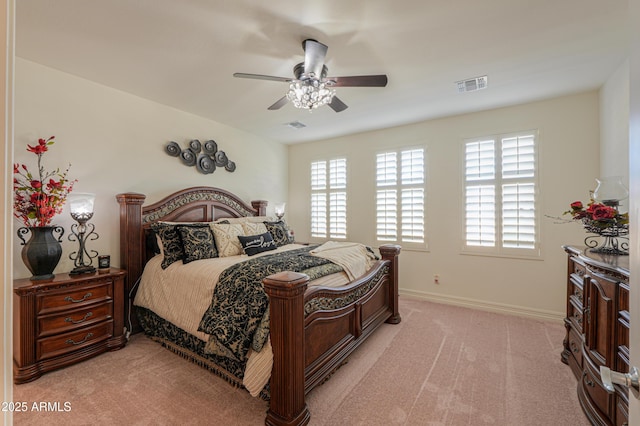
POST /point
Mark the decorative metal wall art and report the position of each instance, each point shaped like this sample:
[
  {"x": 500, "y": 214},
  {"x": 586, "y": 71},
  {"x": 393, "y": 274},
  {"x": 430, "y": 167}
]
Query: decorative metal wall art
[{"x": 205, "y": 156}]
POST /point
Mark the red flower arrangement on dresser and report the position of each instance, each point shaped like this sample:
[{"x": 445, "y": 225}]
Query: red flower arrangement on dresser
[
  {"x": 39, "y": 197},
  {"x": 603, "y": 220},
  {"x": 598, "y": 217}
]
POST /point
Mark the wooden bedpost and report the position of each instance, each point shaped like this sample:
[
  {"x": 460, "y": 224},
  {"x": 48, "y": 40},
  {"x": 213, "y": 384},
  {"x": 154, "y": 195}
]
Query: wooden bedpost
[
  {"x": 131, "y": 244},
  {"x": 391, "y": 252},
  {"x": 287, "y": 406},
  {"x": 260, "y": 206}
]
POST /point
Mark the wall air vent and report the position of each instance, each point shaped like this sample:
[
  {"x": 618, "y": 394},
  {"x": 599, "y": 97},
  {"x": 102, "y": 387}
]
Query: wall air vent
[
  {"x": 472, "y": 84},
  {"x": 295, "y": 125}
]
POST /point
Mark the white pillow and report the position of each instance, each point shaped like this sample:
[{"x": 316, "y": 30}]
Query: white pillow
[
  {"x": 226, "y": 236},
  {"x": 254, "y": 228}
]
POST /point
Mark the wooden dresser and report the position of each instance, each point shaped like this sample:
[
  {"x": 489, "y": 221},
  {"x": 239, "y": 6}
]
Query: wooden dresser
[
  {"x": 597, "y": 324},
  {"x": 65, "y": 320}
]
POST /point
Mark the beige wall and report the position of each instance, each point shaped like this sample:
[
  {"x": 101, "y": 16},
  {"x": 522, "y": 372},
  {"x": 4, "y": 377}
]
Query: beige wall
[
  {"x": 115, "y": 143},
  {"x": 614, "y": 126},
  {"x": 569, "y": 162}
]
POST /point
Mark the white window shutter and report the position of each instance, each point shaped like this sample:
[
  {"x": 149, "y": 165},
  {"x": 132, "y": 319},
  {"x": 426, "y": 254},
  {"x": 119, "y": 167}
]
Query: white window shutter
[
  {"x": 329, "y": 198},
  {"x": 518, "y": 216},
  {"x": 480, "y": 207},
  {"x": 400, "y": 196},
  {"x": 319, "y": 215},
  {"x": 500, "y": 193},
  {"x": 387, "y": 215}
]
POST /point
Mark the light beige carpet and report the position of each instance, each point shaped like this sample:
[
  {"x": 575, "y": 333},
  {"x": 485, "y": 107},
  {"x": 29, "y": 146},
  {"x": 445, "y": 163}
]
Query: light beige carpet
[{"x": 442, "y": 365}]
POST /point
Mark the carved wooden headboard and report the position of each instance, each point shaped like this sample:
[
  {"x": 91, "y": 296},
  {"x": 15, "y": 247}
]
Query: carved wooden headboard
[{"x": 197, "y": 204}]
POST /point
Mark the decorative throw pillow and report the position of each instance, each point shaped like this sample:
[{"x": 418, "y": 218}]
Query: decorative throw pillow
[
  {"x": 254, "y": 228},
  {"x": 245, "y": 219},
  {"x": 171, "y": 243},
  {"x": 197, "y": 242},
  {"x": 280, "y": 232},
  {"x": 226, "y": 238},
  {"x": 255, "y": 244}
]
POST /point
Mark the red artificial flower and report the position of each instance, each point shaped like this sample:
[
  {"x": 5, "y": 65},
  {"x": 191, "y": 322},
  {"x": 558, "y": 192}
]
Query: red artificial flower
[
  {"x": 52, "y": 185},
  {"x": 598, "y": 217},
  {"x": 38, "y": 198},
  {"x": 41, "y": 148},
  {"x": 602, "y": 212}
]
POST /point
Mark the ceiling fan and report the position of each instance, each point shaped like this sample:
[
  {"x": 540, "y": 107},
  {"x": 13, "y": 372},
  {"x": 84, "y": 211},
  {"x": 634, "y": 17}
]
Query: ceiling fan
[{"x": 310, "y": 87}]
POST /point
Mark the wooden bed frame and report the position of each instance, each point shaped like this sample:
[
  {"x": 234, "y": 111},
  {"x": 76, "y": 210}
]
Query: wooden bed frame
[{"x": 313, "y": 330}]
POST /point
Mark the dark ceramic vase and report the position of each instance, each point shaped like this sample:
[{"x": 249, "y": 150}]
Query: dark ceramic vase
[{"x": 42, "y": 252}]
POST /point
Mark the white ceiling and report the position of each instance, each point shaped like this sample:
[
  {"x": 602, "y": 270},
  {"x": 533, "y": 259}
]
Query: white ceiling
[{"x": 183, "y": 53}]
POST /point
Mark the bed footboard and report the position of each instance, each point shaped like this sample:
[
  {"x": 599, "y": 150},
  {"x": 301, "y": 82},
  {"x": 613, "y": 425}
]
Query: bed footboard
[{"x": 314, "y": 330}]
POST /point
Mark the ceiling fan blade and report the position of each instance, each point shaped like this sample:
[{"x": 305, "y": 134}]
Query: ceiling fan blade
[
  {"x": 279, "y": 103},
  {"x": 358, "y": 81},
  {"x": 337, "y": 105},
  {"x": 262, "y": 77},
  {"x": 314, "y": 54}
]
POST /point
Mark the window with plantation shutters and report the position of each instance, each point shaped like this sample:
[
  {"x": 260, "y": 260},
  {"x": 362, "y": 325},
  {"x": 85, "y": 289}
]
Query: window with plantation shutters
[
  {"x": 400, "y": 196},
  {"x": 329, "y": 199},
  {"x": 500, "y": 194}
]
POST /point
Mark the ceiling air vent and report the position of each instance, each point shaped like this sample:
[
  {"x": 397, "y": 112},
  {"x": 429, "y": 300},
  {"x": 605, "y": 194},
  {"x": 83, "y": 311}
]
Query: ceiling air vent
[
  {"x": 295, "y": 125},
  {"x": 472, "y": 84}
]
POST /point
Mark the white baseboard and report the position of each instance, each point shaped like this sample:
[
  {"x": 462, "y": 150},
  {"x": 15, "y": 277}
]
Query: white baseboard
[{"x": 485, "y": 306}]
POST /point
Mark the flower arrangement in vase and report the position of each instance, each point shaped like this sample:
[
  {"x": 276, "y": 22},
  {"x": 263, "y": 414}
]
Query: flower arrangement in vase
[
  {"x": 603, "y": 218},
  {"x": 38, "y": 197}
]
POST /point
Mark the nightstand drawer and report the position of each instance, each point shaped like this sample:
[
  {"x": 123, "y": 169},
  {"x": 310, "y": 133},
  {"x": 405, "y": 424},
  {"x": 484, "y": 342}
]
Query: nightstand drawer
[
  {"x": 60, "y": 344},
  {"x": 71, "y": 320},
  {"x": 75, "y": 297},
  {"x": 65, "y": 320}
]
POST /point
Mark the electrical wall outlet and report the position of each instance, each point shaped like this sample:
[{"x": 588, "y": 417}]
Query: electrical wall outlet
[{"x": 436, "y": 279}]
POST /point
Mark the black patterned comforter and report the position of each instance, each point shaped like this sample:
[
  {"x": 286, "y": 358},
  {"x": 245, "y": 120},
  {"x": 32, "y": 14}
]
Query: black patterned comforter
[{"x": 238, "y": 317}]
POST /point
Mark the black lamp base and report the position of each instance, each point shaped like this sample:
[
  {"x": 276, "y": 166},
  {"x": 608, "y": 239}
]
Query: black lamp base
[{"x": 82, "y": 270}]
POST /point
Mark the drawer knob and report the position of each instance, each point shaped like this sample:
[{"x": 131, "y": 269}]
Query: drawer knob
[
  {"x": 574, "y": 348},
  {"x": 587, "y": 380},
  {"x": 86, "y": 316},
  {"x": 73, "y": 342},
  {"x": 72, "y": 300}
]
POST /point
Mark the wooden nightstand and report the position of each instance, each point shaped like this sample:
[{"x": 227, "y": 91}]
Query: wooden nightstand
[{"x": 66, "y": 320}]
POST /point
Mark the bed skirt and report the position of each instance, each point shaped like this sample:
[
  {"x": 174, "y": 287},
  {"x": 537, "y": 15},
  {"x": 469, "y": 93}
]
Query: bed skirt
[{"x": 191, "y": 348}]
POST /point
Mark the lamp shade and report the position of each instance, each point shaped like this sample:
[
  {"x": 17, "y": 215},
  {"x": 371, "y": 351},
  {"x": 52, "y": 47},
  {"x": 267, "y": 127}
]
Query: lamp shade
[
  {"x": 610, "y": 190},
  {"x": 81, "y": 203},
  {"x": 279, "y": 209}
]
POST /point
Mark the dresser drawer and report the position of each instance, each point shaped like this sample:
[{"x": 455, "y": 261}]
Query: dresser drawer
[
  {"x": 74, "y": 297},
  {"x": 575, "y": 346},
  {"x": 622, "y": 416},
  {"x": 72, "y": 319},
  {"x": 575, "y": 314},
  {"x": 61, "y": 344},
  {"x": 576, "y": 289},
  {"x": 599, "y": 397},
  {"x": 577, "y": 270}
]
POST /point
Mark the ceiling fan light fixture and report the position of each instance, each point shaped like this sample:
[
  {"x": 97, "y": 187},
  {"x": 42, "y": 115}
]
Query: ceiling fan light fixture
[{"x": 309, "y": 94}]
